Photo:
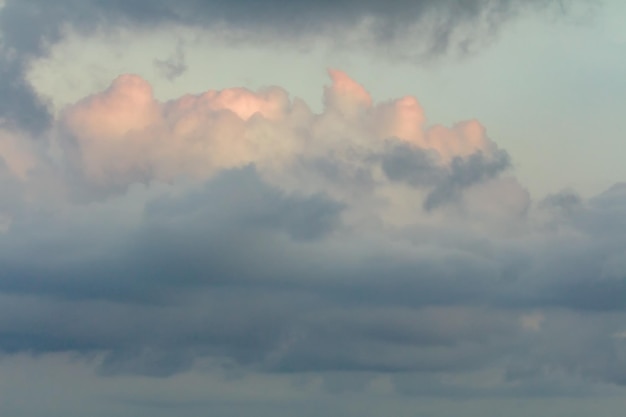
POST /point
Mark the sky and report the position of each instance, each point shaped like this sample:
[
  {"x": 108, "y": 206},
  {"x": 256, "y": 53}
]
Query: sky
[{"x": 312, "y": 208}]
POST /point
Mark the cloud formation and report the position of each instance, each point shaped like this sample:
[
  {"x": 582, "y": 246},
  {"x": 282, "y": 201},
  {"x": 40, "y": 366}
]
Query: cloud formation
[
  {"x": 418, "y": 29},
  {"x": 242, "y": 229},
  {"x": 124, "y": 135}
]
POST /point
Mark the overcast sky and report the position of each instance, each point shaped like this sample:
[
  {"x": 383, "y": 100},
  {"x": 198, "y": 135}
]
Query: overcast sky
[{"x": 299, "y": 208}]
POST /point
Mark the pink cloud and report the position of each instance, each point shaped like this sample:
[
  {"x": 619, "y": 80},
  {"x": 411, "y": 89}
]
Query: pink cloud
[
  {"x": 124, "y": 134},
  {"x": 345, "y": 94},
  {"x": 15, "y": 153}
]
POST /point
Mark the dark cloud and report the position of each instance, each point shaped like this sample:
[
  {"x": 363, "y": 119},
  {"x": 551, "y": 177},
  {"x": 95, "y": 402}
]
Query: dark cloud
[
  {"x": 416, "y": 166},
  {"x": 20, "y": 105},
  {"x": 259, "y": 279},
  {"x": 174, "y": 66},
  {"x": 420, "y": 168},
  {"x": 465, "y": 172},
  {"x": 26, "y": 31},
  {"x": 251, "y": 275},
  {"x": 564, "y": 200},
  {"x": 202, "y": 235},
  {"x": 296, "y": 16},
  {"x": 248, "y": 203},
  {"x": 396, "y": 340}
]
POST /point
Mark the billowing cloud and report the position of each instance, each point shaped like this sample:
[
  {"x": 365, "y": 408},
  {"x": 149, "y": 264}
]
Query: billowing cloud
[
  {"x": 124, "y": 135},
  {"x": 242, "y": 230},
  {"x": 424, "y": 28}
]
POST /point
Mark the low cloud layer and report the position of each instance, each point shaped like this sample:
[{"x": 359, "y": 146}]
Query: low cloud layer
[{"x": 241, "y": 228}]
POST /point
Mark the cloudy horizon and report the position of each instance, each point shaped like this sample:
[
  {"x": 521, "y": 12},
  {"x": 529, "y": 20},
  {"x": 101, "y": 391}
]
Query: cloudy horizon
[{"x": 409, "y": 208}]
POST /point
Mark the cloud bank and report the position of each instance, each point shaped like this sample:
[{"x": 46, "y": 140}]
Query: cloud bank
[{"x": 241, "y": 229}]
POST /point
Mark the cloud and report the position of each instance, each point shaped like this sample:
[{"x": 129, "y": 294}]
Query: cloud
[
  {"x": 242, "y": 229},
  {"x": 442, "y": 18},
  {"x": 417, "y": 29},
  {"x": 26, "y": 30},
  {"x": 20, "y": 106},
  {"x": 419, "y": 169},
  {"x": 123, "y": 135},
  {"x": 464, "y": 173},
  {"x": 174, "y": 66}
]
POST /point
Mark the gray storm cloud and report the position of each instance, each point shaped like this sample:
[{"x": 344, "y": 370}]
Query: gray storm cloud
[{"x": 241, "y": 228}]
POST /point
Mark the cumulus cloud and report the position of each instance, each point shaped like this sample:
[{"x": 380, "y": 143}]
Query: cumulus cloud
[
  {"x": 124, "y": 135},
  {"x": 244, "y": 229},
  {"x": 418, "y": 29}
]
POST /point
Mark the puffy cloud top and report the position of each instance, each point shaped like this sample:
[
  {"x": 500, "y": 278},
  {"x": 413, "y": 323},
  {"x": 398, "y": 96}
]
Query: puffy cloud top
[
  {"x": 417, "y": 28},
  {"x": 242, "y": 228}
]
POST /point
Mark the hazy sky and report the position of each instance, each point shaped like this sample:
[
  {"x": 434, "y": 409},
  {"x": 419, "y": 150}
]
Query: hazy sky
[{"x": 306, "y": 208}]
